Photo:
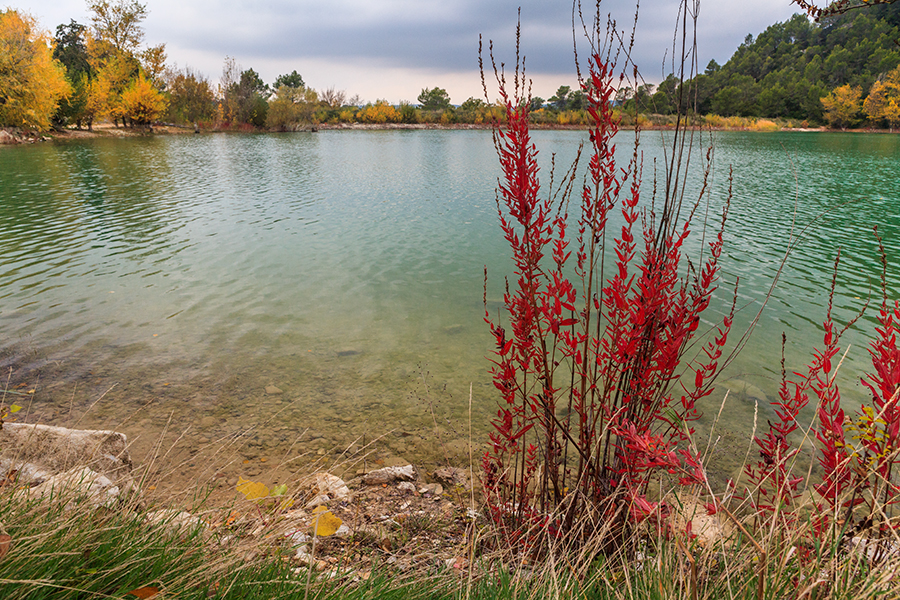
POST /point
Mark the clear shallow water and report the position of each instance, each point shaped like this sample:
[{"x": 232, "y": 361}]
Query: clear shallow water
[{"x": 174, "y": 278}]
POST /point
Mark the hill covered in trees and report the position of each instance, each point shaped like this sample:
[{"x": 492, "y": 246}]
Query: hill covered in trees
[{"x": 789, "y": 68}]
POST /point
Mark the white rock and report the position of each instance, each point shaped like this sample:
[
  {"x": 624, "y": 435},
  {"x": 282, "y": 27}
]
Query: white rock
[
  {"x": 42, "y": 449},
  {"x": 390, "y": 474},
  {"x": 317, "y": 501},
  {"x": 435, "y": 489},
  {"x": 178, "y": 520},
  {"x": 297, "y": 537},
  {"x": 26, "y": 473},
  {"x": 75, "y": 484},
  {"x": 406, "y": 487},
  {"x": 332, "y": 485}
]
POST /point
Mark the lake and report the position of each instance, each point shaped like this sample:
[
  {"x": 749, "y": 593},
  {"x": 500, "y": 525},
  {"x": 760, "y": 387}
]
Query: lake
[{"x": 159, "y": 285}]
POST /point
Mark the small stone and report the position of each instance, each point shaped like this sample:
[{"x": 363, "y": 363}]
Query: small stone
[
  {"x": 176, "y": 520},
  {"x": 330, "y": 484},
  {"x": 318, "y": 500},
  {"x": 435, "y": 489},
  {"x": 406, "y": 487},
  {"x": 207, "y": 422},
  {"x": 271, "y": 390},
  {"x": 297, "y": 537}
]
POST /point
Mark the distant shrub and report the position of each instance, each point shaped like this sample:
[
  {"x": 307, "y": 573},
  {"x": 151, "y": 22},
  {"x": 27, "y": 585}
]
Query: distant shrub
[{"x": 380, "y": 112}]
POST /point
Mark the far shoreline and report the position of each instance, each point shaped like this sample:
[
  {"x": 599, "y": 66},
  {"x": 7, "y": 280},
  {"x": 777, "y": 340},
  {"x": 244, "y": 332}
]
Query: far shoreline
[{"x": 14, "y": 136}]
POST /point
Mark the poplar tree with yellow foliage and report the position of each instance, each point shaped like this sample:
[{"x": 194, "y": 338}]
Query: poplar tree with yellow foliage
[
  {"x": 883, "y": 101},
  {"x": 31, "y": 81},
  {"x": 120, "y": 67},
  {"x": 142, "y": 102},
  {"x": 842, "y": 106}
]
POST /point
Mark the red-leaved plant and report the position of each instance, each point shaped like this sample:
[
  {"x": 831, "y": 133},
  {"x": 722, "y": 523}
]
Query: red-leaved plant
[
  {"x": 597, "y": 395},
  {"x": 859, "y": 458}
]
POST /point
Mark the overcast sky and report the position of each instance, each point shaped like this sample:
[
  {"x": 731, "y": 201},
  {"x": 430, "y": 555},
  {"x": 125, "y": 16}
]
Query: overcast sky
[{"x": 393, "y": 48}]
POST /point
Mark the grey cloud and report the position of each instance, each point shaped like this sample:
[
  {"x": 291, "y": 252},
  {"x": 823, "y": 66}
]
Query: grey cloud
[{"x": 426, "y": 34}]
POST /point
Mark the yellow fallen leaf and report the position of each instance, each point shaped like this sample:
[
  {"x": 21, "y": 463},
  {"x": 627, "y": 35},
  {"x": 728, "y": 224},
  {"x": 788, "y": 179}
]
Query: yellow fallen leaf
[
  {"x": 252, "y": 490},
  {"x": 325, "y": 523}
]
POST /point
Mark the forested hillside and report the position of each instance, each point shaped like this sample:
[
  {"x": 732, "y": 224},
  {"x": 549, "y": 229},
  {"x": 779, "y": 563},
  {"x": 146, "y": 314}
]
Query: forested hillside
[{"x": 790, "y": 67}]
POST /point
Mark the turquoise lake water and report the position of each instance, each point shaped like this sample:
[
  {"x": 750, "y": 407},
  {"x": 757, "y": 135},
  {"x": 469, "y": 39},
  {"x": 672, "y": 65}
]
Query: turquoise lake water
[{"x": 161, "y": 283}]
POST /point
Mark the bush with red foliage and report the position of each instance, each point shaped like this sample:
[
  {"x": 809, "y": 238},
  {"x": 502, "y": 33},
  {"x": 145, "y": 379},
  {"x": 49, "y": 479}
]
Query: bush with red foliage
[{"x": 596, "y": 393}]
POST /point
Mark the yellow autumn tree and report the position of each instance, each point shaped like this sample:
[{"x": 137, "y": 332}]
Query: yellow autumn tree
[
  {"x": 380, "y": 112},
  {"x": 114, "y": 71},
  {"x": 31, "y": 81},
  {"x": 842, "y": 106},
  {"x": 142, "y": 103},
  {"x": 883, "y": 101}
]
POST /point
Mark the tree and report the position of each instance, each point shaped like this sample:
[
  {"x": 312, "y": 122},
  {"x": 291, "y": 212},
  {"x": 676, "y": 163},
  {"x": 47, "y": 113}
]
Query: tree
[
  {"x": 291, "y": 105},
  {"x": 842, "y": 106},
  {"x": 191, "y": 97},
  {"x": 333, "y": 98},
  {"x": 153, "y": 62},
  {"x": 141, "y": 102},
  {"x": 113, "y": 71},
  {"x": 118, "y": 22},
  {"x": 244, "y": 95},
  {"x": 558, "y": 100},
  {"x": 294, "y": 80},
  {"x": 70, "y": 50},
  {"x": 434, "y": 99},
  {"x": 31, "y": 81},
  {"x": 883, "y": 101}
]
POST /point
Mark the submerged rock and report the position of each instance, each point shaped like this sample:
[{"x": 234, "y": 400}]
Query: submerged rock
[
  {"x": 744, "y": 391},
  {"x": 271, "y": 390}
]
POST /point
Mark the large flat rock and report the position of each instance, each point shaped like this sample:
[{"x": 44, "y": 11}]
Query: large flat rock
[{"x": 38, "y": 451}]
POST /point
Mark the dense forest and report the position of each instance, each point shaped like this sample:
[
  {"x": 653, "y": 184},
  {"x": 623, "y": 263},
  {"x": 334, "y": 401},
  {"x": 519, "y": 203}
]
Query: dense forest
[{"x": 791, "y": 67}]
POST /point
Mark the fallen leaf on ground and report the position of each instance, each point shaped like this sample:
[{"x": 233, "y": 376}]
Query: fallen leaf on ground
[
  {"x": 4, "y": 544},
  {"x": 145, "y": 592},
  {"x": 325, "y": 523},
  {"x": 252, "y": 490}
]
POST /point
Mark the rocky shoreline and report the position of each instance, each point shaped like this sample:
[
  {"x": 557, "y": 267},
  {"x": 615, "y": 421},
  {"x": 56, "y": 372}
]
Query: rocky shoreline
[{"x": 396, "y": 515}]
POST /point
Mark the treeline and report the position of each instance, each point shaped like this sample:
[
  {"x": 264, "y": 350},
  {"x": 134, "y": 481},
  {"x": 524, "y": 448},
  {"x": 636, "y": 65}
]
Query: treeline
[
  {"x": 813, "y": 72},
  {"x": 102, "y": 72},
  {"x": 844, "y": 71}
]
